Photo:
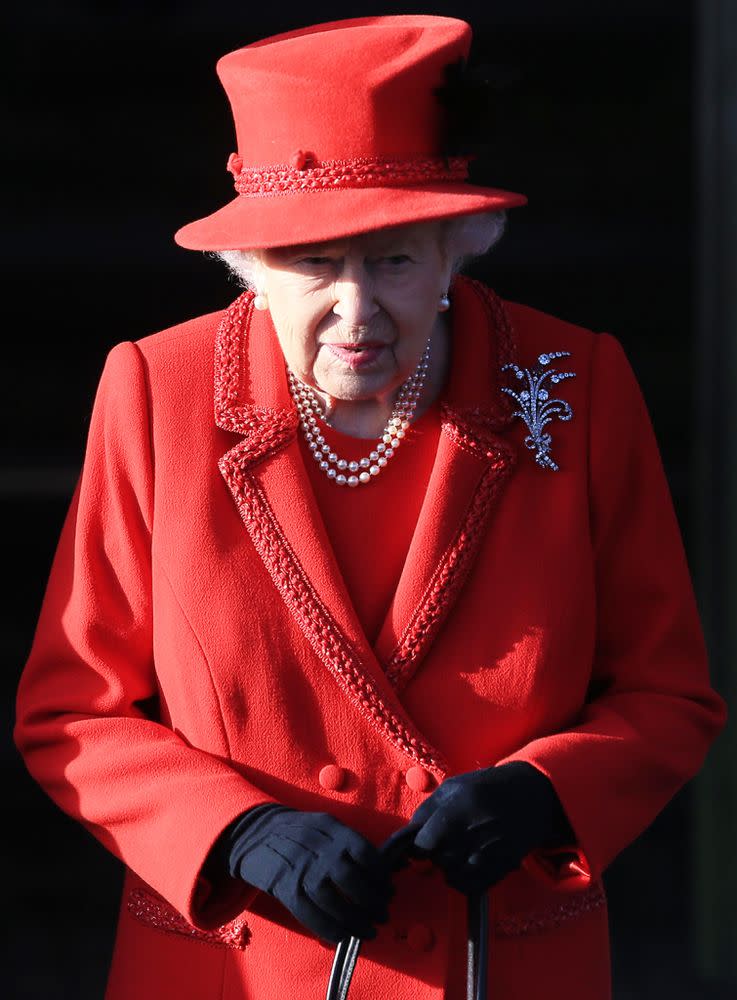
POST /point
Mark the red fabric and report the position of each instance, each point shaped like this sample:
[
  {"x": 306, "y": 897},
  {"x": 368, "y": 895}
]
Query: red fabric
[
  {"x": 334, "y": 100},
  {"x": 540, "y": 616},
  {"x": 370, "y": 527}
]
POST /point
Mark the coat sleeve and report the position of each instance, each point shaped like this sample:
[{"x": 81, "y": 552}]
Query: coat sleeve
[
  {"x": 650, "y": 714},
  {"x": 152, "y": 799}
]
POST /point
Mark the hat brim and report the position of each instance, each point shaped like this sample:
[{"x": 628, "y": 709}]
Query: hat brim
[{"x": 259, "y": 222}]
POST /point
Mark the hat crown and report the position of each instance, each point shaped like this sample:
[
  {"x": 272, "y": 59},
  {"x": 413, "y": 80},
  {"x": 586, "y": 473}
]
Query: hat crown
[
  {"x": 340, "y": 131},
  {"x": 343, "y": 90}
]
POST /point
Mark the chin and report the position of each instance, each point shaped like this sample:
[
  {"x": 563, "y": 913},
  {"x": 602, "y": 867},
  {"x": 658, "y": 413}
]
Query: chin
[{"x": 357, "y": 386}]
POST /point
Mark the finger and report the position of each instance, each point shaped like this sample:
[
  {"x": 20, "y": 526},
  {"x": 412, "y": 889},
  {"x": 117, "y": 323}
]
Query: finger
[
  {"x": 483, "y": 825},
  {"x": 451, "y": 860},
  {"x": 441, "y": 829},
  {"x": 480, "y": 855},
  {"x": 363, "y": 853},
  {"x": 371, "y": 906},
  {"x": 313, "y": 916},
  {"x": 478, "y": 878},
  {"x": 424, "y": 811},
  {"x": 367, "y": 869},
  {"x": 397, "y": 849},
  {"x": 366, "y": 889},
  {"x": 349, "y": 917}
]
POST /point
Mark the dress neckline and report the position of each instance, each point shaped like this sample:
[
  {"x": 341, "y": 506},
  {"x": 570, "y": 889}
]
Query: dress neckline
[{"x": 348, "y": 443}]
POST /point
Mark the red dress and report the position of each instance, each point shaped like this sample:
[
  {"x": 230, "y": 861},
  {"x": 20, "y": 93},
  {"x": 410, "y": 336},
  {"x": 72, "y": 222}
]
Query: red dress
[{"x": 370, "y": 527}]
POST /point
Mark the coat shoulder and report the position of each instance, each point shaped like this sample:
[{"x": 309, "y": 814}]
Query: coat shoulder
[
  {"x": 178, "y": 362},
  {"x": 192, "y": 339},
  {"x": 537, "y": 332}
]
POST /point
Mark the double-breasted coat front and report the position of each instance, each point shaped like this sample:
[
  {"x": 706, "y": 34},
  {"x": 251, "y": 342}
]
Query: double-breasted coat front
[{"x": 197, "y": 653}]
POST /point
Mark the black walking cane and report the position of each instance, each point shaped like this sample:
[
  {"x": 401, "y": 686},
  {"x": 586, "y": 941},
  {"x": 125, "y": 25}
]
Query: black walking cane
[{"x": 346, "y": 952}]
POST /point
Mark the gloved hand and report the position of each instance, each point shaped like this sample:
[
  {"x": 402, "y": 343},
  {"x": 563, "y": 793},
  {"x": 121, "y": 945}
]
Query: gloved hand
[
  {"x": 478, "y": 826},
  {"x": 329, "y": 877}
]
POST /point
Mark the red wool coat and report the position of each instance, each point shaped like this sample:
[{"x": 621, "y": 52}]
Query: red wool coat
[{"x": 197, "y": 654}]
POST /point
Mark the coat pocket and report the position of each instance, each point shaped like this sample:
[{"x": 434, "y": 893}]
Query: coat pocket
[
  {"x": 153, "y": 910},
  {"x": 159, "y": 954},
  {"x": 550, "y": 912}
]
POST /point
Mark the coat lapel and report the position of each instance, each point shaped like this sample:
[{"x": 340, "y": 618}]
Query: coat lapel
[
  {"x": 471, "y": 466},
  {"x": 266, "y": 475},
  {"x": 250, "y": 366}
]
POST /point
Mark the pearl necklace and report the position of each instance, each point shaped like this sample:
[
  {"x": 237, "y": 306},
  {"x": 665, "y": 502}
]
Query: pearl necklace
[{"x": 362, "y": 471}]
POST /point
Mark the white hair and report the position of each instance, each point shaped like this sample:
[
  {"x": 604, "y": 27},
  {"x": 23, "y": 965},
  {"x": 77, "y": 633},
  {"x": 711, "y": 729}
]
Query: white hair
[
  {"x": 470, "y": 236},
  {"x": 465, "y": 237}
]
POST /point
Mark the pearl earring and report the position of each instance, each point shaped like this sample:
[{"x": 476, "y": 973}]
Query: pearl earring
[
  {"x": 444, "y": 303},
  {"x": 260, "y": 302}
]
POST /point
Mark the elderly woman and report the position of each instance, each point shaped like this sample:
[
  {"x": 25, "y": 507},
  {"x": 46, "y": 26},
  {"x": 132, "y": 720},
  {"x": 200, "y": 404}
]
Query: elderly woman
[{"x": 418, "y": 580}]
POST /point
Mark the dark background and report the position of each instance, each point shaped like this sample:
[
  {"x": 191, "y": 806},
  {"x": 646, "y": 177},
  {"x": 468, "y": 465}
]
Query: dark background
[{"x": 120, "y": 133}]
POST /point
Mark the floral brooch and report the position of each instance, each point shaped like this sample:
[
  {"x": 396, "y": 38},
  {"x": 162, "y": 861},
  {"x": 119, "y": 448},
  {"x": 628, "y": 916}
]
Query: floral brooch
[{"x": 536, "y": 407}]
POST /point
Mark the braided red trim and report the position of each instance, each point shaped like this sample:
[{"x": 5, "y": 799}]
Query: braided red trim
[
  {"x": 453, "y": 568},
  {"x": 514, "y": 925},
  {"x": 456, "y": 562},
  {"x": 157, "y": 913},
  {"x": 506, "y": 342},
  {"x": 271, "y": 427},
  {"x": 228, "y": 415},
  {"x": 309, "y": 175}
]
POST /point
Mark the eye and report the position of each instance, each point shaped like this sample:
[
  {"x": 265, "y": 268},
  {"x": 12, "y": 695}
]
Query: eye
[
  {"x": 316, "y": 261},
  {"x": 395, "y": 260}
]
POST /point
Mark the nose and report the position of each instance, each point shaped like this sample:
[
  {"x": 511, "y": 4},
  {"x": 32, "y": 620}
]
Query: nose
[{"x": 355, "y": 294}]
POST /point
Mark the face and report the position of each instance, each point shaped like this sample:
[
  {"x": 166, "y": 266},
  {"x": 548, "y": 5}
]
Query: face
[{"x": 353, "y": 317}]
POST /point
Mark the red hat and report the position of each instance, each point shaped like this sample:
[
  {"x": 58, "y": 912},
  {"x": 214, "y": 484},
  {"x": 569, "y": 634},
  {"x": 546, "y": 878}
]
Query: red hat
[{"x": 340, "y": 132}]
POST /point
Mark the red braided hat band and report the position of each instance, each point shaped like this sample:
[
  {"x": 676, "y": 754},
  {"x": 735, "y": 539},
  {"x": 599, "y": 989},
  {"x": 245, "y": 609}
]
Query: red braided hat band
[{"x": 307, "y": 174}]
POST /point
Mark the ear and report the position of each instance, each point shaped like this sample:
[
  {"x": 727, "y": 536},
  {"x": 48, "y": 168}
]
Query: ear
[
  {"x": 258, "y": 272},
  {"x": 446, "y": 235}
]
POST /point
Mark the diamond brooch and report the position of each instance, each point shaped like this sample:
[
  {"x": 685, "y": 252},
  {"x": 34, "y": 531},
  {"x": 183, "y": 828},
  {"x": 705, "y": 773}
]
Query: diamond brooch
[{"x": 536, "y": 407}]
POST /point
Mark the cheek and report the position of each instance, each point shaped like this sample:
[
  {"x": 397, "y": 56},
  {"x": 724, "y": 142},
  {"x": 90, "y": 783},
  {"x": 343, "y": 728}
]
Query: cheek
[
  {"x": 297, "y": 329},
  {"x": 415, "y": 310},
  {"x": 298, "y": 349},
  {"x": 296, "y": 312}
]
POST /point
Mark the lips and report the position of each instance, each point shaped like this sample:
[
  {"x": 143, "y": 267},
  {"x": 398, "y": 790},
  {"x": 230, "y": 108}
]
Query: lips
[
  {"x": 360, "y": 345},
  {"x": 357, "y": 355}
]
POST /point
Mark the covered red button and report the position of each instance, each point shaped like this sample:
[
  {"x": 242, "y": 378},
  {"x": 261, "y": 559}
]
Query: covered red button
[
  {"x": 418, "y": 779},
  {"x": 332, "y": 777},
  {"x": 420, "y": 937}
]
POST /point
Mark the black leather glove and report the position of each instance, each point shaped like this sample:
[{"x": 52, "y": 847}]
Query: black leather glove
[
  {"x": 479, "y": 826},
  {"x": 329, "y": 877}
]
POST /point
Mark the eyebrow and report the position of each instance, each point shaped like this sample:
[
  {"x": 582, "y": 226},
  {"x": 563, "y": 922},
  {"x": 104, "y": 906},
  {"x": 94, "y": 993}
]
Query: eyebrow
[
  {"x": 383, "y": 242},
  {"x": 308, "y": 249}
]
